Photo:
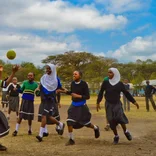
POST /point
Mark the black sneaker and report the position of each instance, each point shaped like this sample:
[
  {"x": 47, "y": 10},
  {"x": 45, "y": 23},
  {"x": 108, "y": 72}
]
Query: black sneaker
[
  {"x": 57, "y": 130},
  {"x": 116, "y": 140},
  {"x": 45, "y": 134},
  {"x": 29, "y": 132},
  {"x": 97, "y": 132},
  {"x": 61, "y": 130},
  {"x": 70, "y": 142},
  {"x": 107, "y": 128},
  {"x": 128, "y": 136},
  {"x": 14, "y": 133},
  {"x": 2, "y": 148},
  {"x": 39, "y": 138}
]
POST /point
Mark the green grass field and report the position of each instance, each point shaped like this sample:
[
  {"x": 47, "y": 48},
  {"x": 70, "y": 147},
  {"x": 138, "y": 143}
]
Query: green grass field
[{"x": 142, "y": 125}]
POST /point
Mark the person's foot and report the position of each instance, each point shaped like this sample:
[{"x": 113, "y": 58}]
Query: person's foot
[
  {"x": 39, "y": 138},
  {"x": 29, "y": 132},
  {"x": 107, "y": 128},
  {"x": 128, "y": 135},
  {"x": 70, "y": 142},
  {"x": 45, "y": 134},
  {"x": 97, "y": 132},
  {"x": 2, "y": 148},
  {"x": 61, "y": 131},
  {"x": 14, "y": 133},
  {"x": 57, "y": 130},
  {"x": 116, "y": 140}
]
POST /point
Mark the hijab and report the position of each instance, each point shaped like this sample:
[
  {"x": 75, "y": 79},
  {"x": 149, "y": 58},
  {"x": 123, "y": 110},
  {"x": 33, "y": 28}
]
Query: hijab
[
  {"x": 50, "y": 82},
  {"x": 116, "y": 77}
]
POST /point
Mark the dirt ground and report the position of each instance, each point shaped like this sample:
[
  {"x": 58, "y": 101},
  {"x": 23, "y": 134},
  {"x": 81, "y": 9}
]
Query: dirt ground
[{"x": 142, "y": 126}]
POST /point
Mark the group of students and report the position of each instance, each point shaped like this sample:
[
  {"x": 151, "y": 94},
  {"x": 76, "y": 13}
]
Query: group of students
[{"x": 78, "y": 112}]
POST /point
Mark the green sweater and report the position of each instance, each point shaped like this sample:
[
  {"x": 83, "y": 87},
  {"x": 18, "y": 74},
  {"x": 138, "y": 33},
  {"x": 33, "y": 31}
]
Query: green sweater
[{"x": 28, "y": 90}]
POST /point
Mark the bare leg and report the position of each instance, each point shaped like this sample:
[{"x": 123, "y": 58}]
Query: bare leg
[
  {"x": 54, "y": 120},
  {"x": 17, "y": 114},
  {"x": 96, "y": 130},
  {"x": 70, "y": 129},
  {"x": 17, "y": 126},
  {"x": 71, "y": 137},
  {"x": 29, "y": 125},
  {"x": 19, "y": 121},
  {"x": 116, "y": 138},
  {"x": 43, "y": 121},
  {"x": 115, "y": 132},
  {"x": 8, "y": 115},
  {"x": 126, "y": 132}
]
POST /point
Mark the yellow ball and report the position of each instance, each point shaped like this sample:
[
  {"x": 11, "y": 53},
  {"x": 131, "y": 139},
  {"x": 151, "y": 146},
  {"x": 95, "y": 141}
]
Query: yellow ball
[{"x": 11, "y": 54}]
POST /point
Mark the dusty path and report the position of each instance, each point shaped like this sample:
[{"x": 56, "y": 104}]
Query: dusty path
[{"x": 143, "y": 143}]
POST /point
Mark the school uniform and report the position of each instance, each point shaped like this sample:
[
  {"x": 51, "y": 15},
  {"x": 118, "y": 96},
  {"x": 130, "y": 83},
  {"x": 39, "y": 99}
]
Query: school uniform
[
  {"x": 78, "y": 112},
  {"x": 13, "y": 97},
  {"x": 49, "y": 102},
  {"x": 27, "y": 105},
  {"x": 114, "y": 111},
  {"x": 49, "y": 84},
  {"x": 4, "y": 97}
]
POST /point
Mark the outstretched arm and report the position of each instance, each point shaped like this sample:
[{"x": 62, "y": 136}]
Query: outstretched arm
[
  {"x": 129, "y": 96},
  {"x": 15, "y": 68}
]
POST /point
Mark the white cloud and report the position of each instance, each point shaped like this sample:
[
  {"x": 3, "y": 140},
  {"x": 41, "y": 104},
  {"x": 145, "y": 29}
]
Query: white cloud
[
  {"x": 59, "y": 16},
  {"x": 142, "y": 28},
  {"x": 139, "y": 48},
  {"x": 120, "y": 6},
  {"x": 34, "y": 48}
]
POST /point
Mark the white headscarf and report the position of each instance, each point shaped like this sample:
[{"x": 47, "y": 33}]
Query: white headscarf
[
  {"x": 50, "y": 82},
  {"x": 116, "y": 77}
]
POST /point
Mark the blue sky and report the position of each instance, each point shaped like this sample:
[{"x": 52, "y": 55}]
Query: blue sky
[{"x": 35, "y": 29}]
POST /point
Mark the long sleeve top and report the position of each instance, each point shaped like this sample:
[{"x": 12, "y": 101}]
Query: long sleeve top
[
  {"x": 80, "y": 89},
  {"x": 28, "y": 90},
  {"x": 112, "y": 93},
  {"x": 13, "y": 92}
]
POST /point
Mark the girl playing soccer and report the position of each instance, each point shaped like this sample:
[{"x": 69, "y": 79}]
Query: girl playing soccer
[{"x": 114, "y": 111}]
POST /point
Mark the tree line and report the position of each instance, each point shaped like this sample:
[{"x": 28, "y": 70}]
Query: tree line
[{"x": 94, "y": 68}]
